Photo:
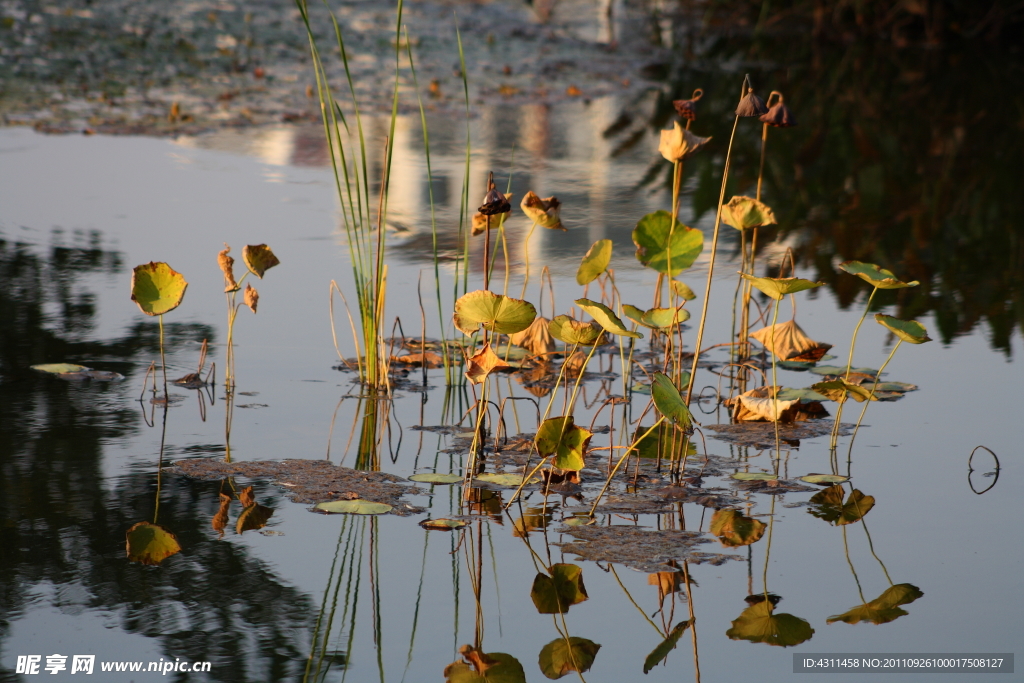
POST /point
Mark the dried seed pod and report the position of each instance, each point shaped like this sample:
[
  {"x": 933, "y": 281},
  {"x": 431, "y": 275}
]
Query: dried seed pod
[
  {"x": 494, "y": 201},
  {"x": 687, "y": 109},
  {"x": 252, "y": 297},
  {"x": 778, "y": 114},
  {"x": 751, "y": 105}
]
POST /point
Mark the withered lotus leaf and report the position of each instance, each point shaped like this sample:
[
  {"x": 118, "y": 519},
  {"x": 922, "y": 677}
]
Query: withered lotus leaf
[
  {"x": 252, "y": 297},
  {"x": 258, "y": 259},
  {"x": 483, "y": 363},
  {"x": 789, "y": 342},
  {"x": 543, "y": 212}
]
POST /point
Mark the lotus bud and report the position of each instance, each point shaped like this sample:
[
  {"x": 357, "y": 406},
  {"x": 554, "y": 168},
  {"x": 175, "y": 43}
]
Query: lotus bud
[
  {"x": 542, "y": 211},
  {"x": 687, "y": 109},
  {"x": 679, "y": 143},
  {"x": 778, "y": 114},
  {"x": 751, "y": 105}
]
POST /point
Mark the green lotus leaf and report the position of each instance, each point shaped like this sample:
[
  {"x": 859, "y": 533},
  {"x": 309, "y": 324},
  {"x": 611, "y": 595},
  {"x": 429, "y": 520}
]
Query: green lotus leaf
[
  {"x": 606, "y": 318},
  {"x": 254, "y": 517},
  {"x": 664, "y": 318},
  {"x": 759, "y": 624},
  {"x": 59, "y": 368},
  {"x": 884, "y": 608},
  {"x": 746, "y": 212},
  {"x": 829, "y": 506},
  {"x": 556, "y": 593},
  {"x": 670, "y": 403},
  {"x": 443, "y": 524},
  {"x": 150, "y": 544},
  {"x": 839, "y": 389},
  {"x": 755, "y": 476},
  {"x": 490, "y": 667},
  {"x": 823, "y": 479},
  {"x": 659, "y": 653},
  {"x": 666, "y": 441},
  {"x": 594, "y": 262},
  {"x": 157, "y": 288},
  {"x": 900, "y": 387},
  {"x": 504, "y": 479},
  {"x": 497, "y": 313},
  {"x": 682, "y": 290},
  {"x": 565, "y": 329},
  {"x": 353, "y": 507},
  {"x": 436, "y": 478},
  {"x": 909, "y": 331},
  {"x": 560, "y": 437},
  {"x": 877, "y": 276},
  {"x": 778, "y": 287},
  {"x": 258, "y": 259},
  {"x": 560, "y": 658},
  {"x": 805, "y": 395},
  {"x": 651, "y": 237},
  {"x": 734, "y": 529},
  {"x": 633, "y": 313}
]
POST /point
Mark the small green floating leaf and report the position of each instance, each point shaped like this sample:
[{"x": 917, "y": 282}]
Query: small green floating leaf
[
  {"x": 594, "y": 262},
  {"x": 746, "y": 212},
  {"x": 258, "y": 259},
  {"x": 443, "y": 524},
  {"x": 839, "y": 389},
  {"x": 734, "y": 529},
  {"x": 651, "y": 237},
  {"x": 884, "y": 608},
  {"x": 157, "y": 288},
  {"x": 606, "y": 318},
  {"x": 435, "y": 478},
  {"x": 59, "y": 368},
  {"x": 829, "y": 506},
  {"x": 778, "y": 287},
  {"x": 824, "y": 479},
  {"x": 556, "y": 593},
  {"x": 150, "y": 544},
  {"x": 569, "y": 331},
  {"x": 497, "y": 313},
  {"x": 560, "y": 658},
  {"x": 353, "y": 507},
  {"x": 682, "y": 290},
  {"x": 560, "y": 437},
  {"x": 754, "y": 476},
  {"x": 759, "y": 624},
  {"x": 659, "y": 653},
  {"x": 505, "y": 479},
  {"x": 877, "y": 276},
  {"x": 909, "y": 331},
  {"x": 670, "y": 403}
]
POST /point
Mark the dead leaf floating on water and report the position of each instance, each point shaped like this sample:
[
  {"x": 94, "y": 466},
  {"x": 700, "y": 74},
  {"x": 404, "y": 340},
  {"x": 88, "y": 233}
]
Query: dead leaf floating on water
[
  {"x": 759, "y": 405},
  {"x": 789, "y": 342}
]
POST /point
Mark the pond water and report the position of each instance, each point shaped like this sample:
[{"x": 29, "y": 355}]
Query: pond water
[{"x": 342, "y": 597}]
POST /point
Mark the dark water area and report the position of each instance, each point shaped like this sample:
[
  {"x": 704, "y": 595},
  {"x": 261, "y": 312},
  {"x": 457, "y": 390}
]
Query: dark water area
[{"x": 904, "y": 156}]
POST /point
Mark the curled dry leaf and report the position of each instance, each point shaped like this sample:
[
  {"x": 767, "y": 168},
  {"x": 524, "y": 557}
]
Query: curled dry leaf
[
  {"x": 227, "y": 266},
  {"x": 790, "y": 342},
  {"x": 258, "y": 259},
  {"x": 482, "y": 364},
  {"x": 252, "y": 297},
  {"x": 543, "y": 212},
  {"x": 246, "y": 497},
  {"x": 536, "y": 338},
  {"x": 220, "y": 520},
  {"x": 760, "y": 405},
  {"x": 746, "y": 212},
  {"x": 679, "y": 143}
]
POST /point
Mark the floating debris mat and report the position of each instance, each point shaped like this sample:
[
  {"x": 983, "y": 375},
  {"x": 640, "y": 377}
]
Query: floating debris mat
[{"x": 645, "y": 550}]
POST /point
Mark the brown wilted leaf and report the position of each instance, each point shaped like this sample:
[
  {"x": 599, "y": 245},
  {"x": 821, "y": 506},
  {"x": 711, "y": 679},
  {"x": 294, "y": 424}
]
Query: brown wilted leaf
[
  {"x": 246, "y": 497},
  {"x": 227, "y": 264},
  {"x": 482, "y": 364},
  {"x": 574, "y": 364},
  {"x": 536, "y": 338},
  {"x": 544, "y": 212},
  {"x": 791, "y": 343},
  {"x": 252, "y": 297},
  {"x": 220, "y": 520},
  {"x": 430, "y": 359},
  {"x": 759, "y": 404}
]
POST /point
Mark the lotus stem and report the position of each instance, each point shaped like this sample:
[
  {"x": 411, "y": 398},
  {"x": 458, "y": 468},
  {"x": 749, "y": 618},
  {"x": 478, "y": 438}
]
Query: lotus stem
[
  {"x": 874, "y": 388},
  {"x": 163, "y": 361},
  {"x": 774, "y": 389},
  {"x": 849, "y": 365},
  {"x": 618, "y": 464}
]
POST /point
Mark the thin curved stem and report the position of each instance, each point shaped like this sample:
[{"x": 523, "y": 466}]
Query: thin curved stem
[{"x": 874, "y": 388}]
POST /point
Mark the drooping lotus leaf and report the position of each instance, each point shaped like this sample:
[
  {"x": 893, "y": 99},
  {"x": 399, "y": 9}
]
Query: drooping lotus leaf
[
  {"x": 59, "y": 368},
  {"x": 679, "y": 143},
  {"x": 651, "y": 237},
  {"x": 565, "y": 329},
  {"x": 746, "y": 212},
  {"x": 150, "y": 544},
  {"x": 884, "y": 608},
  {"x": 877, "y": 276},
  {"x": 480, "y": 667},
  {"x": 759, "y": 404},
  {"x": 829, "y": 506},
  {"x": 670, "y": 403},
  {"x": 734, "y": 529},
  {"x": 562, "y": 438},
  {"x": 556, "y": 593},
  {"x": 483, "y": 363},
  {"x": 157, "y": 288},
  {"x": 666, "y": 442},
  {"x": 536, "y": 338},
  {"x": 594, "y": 262},
  {"x": 504, "y": 479},
  {"x": 659, "y": 653},
  {"x": 682, "y": 290},
  {"x": 759, "y": 624},
  {"x": 839, "y": 389},
  {"x": 754, "y": 476},
  {"x": 824, "y": 479},
  {"x": 778, "y": 287},
  {"x": 443, "y": 524},
  {"x": 560, "y": 658},
  {"x": 353, "y": 507},
  {"x": 436, "y": 478},
  {"x": 497, "y": 313},
  {"x": 656, "y": 318},
  {"x": 253, "y": 517},
  {"x": 543, "y": 212},
  {"x": 258, "y": 259},
  {"x": 606, "y": 318},
  {"x": 789, "y": 342},
  {"x": 909, "y": 331}
]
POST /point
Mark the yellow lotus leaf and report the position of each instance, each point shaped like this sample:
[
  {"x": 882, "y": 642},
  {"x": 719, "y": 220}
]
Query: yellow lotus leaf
[
  {"x": 543, "y": 212},
  {"x": 150, "y": 544},
  {"x": 790, "y": 342}
]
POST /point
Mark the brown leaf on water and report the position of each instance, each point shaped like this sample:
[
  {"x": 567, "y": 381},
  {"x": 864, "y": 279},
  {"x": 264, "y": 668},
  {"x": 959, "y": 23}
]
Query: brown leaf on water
[
  {"x": 220, "y": 520},
  {"x": 482, "y": 364},
  {"x": 536, "y": 338},
  {"x": 252, "y": 297},
  {"x": 791, "y": 343},
  {"x": 246, "y": 497},
  {"x": 429, "y": 359},
  {"x": 227, "y": 264},
  {"x": 759, "y": 404}
]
